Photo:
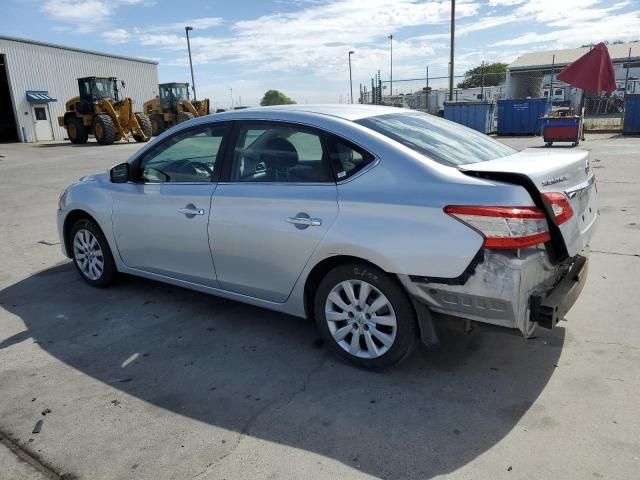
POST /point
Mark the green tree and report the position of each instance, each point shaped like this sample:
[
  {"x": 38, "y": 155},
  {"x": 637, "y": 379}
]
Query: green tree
[
  {"x": 275, "y": 97},
  {"x": 494, "y": 74}
]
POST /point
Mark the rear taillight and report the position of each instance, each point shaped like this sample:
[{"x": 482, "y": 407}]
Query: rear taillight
[
  {"x": 560, "y": 205},
  {"x": 504, "y": 227}
]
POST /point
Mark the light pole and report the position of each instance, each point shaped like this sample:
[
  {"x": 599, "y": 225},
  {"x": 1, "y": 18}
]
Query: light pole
[
  {"x": 390, "y": 37},
  {"x": 350, "y": 78},
  {"x": 193, "y": 83}
]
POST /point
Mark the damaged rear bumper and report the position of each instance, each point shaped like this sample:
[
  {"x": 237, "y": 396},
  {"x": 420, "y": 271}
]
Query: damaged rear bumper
[{"x": 506, "y": 288}]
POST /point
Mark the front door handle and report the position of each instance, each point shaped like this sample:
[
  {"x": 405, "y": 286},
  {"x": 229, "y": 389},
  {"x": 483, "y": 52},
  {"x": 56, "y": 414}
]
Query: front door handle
[
  {"x": 305, "y": 221},
  {"x": 191, "y": 211}
]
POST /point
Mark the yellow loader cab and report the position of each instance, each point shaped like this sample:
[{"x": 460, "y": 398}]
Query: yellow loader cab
[
  {"x": 173, "y": 106},
  {"x": 98, "y": 111}
]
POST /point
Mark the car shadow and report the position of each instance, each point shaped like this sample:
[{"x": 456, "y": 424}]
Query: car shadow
[{"x": 266, "y": 375}]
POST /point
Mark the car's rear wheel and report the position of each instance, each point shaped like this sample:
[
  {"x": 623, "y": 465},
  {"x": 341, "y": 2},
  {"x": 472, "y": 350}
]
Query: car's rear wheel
[
  {"x": 365, "y": 315},
  {"x": 91, "y": 254}
]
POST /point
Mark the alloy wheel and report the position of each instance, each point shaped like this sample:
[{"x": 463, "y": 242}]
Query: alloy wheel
[
  {"x": 88, "y": 254},
  {"x": 361, "y": 319}
]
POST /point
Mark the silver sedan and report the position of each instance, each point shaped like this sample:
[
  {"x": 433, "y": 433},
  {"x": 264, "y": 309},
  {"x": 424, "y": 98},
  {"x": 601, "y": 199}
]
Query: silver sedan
[{"x": 364, "y": 219}]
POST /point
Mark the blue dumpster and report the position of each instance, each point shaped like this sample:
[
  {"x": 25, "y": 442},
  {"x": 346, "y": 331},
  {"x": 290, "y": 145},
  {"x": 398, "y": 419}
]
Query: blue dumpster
[
  {"x": 631, "y": 114},
  {"x": 476, "y": 115},
  {"x": 521, "y": 116}
]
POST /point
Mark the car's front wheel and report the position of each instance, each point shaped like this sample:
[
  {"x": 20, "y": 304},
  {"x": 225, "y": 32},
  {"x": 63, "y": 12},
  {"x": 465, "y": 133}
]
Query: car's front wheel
[
  {"x": 91, "y": 254},
  {"x": 365, "y": 315}
]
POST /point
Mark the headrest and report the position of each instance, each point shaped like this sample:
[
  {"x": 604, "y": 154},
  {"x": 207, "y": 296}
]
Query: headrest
[{"x": 279, "y": 153}]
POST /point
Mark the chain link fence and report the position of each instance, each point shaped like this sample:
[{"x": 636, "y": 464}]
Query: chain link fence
[{"x": 429, "y": 93}]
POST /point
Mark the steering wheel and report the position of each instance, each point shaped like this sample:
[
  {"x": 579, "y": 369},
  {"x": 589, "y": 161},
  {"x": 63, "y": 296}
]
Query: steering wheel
[{"x": 196, "y": 168}]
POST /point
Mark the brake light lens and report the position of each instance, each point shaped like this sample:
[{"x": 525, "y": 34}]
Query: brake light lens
[
  {"x": 560, "y": 205},
  {"x": 504, "y": 227}
]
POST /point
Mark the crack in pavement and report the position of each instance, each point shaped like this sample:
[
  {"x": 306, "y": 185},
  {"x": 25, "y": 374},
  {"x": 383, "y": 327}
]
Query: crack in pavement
[
  {"x": 24, "y": 455},
  {"x": 247, "y": 426},
  {"x": 611, "y": 343},
  {"x": 617, "y": 253}
]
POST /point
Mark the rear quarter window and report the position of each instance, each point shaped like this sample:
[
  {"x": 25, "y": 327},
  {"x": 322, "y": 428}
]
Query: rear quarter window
[{"x": 347, "y": 159}]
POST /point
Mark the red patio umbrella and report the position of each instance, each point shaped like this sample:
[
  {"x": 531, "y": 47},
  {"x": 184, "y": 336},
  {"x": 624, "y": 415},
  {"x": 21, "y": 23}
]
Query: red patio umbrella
[{"x": 592, "y": 72}]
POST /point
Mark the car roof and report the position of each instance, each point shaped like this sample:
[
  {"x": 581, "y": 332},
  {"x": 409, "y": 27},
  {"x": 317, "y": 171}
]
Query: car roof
[{"x": 345, "y": 111}]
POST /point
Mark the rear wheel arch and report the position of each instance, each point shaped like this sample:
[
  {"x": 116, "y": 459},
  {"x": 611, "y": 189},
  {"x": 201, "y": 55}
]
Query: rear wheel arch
[{"x": 323, "y": 267}]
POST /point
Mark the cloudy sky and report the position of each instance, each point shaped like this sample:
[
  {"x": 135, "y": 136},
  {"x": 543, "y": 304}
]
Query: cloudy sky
[{"x": 301, "y": 46}]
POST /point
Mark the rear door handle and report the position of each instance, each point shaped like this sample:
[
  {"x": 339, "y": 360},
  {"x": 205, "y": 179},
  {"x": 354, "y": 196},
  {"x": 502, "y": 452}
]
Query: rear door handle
[
  {"x": 191, "y": 211},
  {"x": 305, "y": 221}
]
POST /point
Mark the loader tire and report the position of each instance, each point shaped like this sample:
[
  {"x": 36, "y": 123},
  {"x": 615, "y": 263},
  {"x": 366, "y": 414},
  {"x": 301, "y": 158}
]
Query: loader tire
[
  {"x": 146, "y": 126},
  {"x": 158, "y": 125},
  {"x": 184, "y": 116},
  {"x": 76, "y": 131},
  {"x": 104, "y": 129}
]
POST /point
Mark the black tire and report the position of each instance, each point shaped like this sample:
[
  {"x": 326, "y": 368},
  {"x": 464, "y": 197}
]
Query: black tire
[
  {"x": 158, "y": 125},
  {"x": 109, "y": 270},
  {"x": 184, "y": 116},
  {"x": 406, "y": 320},
  {"x": 104, "y": 129},
  {"x": 76, "y": 130},
  {"x": 146, "y": 126}
]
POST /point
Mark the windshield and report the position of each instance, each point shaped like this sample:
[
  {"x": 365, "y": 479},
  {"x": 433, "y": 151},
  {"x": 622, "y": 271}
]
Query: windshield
[
  {"x": 102, "y": 88},
  {"x": 446, "y": 142},
  {"x": 173, "y": 93}
]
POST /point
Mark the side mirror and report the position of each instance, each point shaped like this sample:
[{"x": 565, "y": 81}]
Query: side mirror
[{"x": 120, "y": 173}]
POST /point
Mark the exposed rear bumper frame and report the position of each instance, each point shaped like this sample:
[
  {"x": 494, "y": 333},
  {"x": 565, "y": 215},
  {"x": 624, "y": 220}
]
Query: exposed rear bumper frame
[{"x": 549, "y": 309}]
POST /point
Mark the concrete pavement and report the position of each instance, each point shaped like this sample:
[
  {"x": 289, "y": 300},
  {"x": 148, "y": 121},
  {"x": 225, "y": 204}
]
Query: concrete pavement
[{"x": 149, "y": 381}]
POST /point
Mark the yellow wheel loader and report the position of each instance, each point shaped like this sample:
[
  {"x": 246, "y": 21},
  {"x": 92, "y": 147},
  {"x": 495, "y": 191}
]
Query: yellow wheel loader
[
  {"x": 172, "y": 106},
  {"x": 99, "y": 112}
]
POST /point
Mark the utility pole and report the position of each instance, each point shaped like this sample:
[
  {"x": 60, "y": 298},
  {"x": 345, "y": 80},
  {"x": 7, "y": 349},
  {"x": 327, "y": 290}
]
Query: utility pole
[
  {"x": 553, "y": 68},
  {"x": 231, "y": 94},
  {"x": 373, "y": 92},
  {"x": 426, "y": 97},
  {"x": 350, "y": 77},
  {"x": 482, "y": 85},
  {"x": 193, "y": 82},
  {"x": 453, "y": 36},
  {"x": 391, "y": 76},
  {"x": 626, "y": 77}
]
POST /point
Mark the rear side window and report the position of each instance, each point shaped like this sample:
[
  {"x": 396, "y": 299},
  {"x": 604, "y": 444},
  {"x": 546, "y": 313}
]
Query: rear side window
[
  {"x": 446, "y": 142},
  {"x": 281, "y": 153},
  {"x": 347, "y": 158}
]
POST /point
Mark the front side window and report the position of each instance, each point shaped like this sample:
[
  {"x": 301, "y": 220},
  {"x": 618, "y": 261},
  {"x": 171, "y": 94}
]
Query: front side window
[
  {"x": 279, "y": 153},
  {"x": 190, "y": 156},
  {"x": 446, "y": 142}
]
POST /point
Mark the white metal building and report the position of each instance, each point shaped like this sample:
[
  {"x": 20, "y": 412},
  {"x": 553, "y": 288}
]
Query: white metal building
[
  {"x": 36, "y": 79},
  {"x": 530, "y": 73}
]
